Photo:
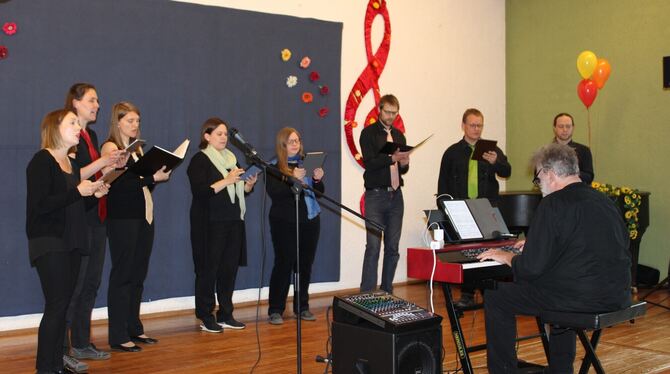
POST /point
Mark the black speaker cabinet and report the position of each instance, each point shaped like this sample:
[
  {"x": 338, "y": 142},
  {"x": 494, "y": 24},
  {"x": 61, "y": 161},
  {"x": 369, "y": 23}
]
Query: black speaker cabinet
[
  {"x": 666, "y": 71},
  {"x": 364, "y": 350}
]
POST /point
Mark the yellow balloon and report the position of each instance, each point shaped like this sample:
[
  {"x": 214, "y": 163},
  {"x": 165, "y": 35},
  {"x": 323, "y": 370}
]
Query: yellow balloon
[{"x": 586, "y": 64}]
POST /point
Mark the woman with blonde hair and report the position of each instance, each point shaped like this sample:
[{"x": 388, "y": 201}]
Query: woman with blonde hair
[
  {"x": 54, "y": 216},
  {"x": 290, "y": 152},
  {"x": 130, "y": 230}
]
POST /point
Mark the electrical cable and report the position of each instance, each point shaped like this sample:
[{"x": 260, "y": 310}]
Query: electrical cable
[{"x": 261, "y": 278}]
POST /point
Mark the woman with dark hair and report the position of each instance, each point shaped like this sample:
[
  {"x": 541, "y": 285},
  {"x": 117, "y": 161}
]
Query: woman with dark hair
[
  {"x": 54, "y": 217},
  {"x": 130, "y": 231},
  {"x": 289, "y": 150},
  {"x": 218, "y": 235},
  {"x": 82, "y": 100}
]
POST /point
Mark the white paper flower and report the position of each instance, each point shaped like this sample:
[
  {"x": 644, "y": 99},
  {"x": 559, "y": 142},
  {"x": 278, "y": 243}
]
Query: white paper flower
[{"x": 291, "y": 81}]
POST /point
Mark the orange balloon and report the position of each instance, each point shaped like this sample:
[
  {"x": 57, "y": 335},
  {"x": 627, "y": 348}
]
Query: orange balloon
[{"x": 601, "y": 73}]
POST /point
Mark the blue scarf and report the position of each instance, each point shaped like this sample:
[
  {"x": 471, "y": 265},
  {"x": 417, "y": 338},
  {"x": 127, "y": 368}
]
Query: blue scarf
[{"x": 313, "y": 208}]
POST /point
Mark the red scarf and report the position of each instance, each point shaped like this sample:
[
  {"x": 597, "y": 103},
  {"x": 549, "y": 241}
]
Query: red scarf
[{"x": 102, "y": 202}]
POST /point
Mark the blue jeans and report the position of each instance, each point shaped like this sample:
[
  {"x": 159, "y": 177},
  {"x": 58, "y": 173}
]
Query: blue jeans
[{"x": 385, "y": 208}]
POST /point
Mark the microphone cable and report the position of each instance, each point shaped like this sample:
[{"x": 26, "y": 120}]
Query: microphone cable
[{"x": 262, "y": 272}]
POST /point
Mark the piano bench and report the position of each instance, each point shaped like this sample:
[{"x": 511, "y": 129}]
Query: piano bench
[{"x": 581, "y": 322}]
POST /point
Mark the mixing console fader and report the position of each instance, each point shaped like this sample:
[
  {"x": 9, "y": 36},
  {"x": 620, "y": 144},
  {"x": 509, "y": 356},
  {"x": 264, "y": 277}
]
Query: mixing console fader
[{"x": 383, "y": 310}]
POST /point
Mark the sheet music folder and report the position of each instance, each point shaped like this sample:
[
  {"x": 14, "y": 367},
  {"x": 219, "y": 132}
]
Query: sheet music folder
[{"x": 473, "y": 220}]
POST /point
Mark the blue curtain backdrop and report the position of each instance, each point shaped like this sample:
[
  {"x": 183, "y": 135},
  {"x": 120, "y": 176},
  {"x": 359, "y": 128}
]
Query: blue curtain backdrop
[{"x": 180, "y": 63}]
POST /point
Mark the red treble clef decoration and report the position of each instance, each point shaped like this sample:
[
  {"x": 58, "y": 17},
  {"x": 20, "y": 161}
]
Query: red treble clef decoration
[{"x": 369, "y": 78}]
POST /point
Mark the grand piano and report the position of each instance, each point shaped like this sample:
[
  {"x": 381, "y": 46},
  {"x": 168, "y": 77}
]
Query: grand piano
[{"x": 518, "y": 207}]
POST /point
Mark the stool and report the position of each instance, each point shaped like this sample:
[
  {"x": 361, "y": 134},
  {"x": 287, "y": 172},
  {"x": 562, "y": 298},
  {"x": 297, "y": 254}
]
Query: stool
[{"x": 580, "y": 322}]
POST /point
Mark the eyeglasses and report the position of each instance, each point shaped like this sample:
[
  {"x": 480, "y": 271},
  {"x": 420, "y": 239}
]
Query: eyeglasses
[
  {"x": 475, "y": 125},
  {"x": 536, "y": 178},
  {"x": 389, "y": 112},
  {"x": 293, "y": 141}
]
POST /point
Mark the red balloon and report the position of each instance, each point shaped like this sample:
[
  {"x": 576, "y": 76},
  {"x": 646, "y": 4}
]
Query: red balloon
[{"x": 587, "y": 90}]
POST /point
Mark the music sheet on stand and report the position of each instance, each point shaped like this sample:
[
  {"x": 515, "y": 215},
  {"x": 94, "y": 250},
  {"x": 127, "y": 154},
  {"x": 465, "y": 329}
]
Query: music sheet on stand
[{"x": 462, "y": 219}]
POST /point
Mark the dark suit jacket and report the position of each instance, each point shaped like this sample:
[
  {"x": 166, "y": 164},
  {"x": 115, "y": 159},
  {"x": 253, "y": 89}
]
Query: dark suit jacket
[{"x": 453, "y": 179}]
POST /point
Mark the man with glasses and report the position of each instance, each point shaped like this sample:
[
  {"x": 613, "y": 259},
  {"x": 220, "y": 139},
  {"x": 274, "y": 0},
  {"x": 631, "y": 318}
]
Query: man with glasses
[
  {"x": 461, "y": 177},
  {"x": 563, "y": 126},
  {"x": 575, "y": 258},
  {"x": 383, "y": 195}
]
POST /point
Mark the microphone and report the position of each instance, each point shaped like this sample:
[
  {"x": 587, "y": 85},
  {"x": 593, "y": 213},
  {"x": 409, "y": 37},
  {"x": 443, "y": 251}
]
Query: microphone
[{"x": 236, "y": 134}]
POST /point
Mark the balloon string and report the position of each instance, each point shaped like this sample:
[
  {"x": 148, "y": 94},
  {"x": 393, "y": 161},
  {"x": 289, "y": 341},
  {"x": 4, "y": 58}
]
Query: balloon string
[{"x": 588, "y": 116}]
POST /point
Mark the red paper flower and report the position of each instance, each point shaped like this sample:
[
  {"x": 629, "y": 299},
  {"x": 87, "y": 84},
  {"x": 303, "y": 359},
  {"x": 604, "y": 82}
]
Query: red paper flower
[
  {"x": 323, "y": 112},
  {"x": 3, "y": 52},
  {"x": 324, "y": 90},
  {"x": 307, "y": 97},
  {"x": 314, "y": 76},
  {"x": 9, "y": 28}
]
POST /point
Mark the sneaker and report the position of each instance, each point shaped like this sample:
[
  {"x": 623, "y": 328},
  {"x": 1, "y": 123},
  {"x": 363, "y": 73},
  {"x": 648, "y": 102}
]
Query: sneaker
[
  {"x": 89, "y": 353},
  {"x": 74, "y": 365},
  {"x": 306, "y": 315},
  {"x": 276, "y": 319},
  {"x": 209, "y": 325},
  {"x": 232, "y": 324}
]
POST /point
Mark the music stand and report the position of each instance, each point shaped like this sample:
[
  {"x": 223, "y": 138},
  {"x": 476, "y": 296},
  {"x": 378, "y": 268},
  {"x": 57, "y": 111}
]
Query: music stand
[{"x": 661, "y": 284}]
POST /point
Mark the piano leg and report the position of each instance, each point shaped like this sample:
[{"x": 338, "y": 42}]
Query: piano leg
[{"x": 457, "y": 331}]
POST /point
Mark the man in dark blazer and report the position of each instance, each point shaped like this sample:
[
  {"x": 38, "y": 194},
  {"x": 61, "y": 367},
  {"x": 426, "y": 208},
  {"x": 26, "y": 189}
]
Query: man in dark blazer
[
  {"x": 564, "y": 125},
  {"x": 461, "y": 177}
]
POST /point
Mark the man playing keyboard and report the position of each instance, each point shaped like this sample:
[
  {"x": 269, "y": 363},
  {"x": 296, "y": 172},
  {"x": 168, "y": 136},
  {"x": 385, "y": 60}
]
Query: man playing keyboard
[{"x": 575, "y": 258}]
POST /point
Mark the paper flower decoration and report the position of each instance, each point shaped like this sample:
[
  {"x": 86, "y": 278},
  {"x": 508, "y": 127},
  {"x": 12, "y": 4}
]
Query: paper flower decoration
[
  {"x": 307, "y": 97},
  {"x": 323, "y": 90},
  {"x": 304, "y": 63},
  {"x": 291, "y": 81},
  {"x": 9, "y": 28},
  {"x": 323, "y": 112},
  {"x": 285, "y": 54},
  {"x": 3, "y": 52},
  {"x": 314, "y": 76}
]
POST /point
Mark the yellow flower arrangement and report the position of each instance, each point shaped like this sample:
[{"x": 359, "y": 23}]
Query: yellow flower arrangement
[{"x": 631, "y": 203}]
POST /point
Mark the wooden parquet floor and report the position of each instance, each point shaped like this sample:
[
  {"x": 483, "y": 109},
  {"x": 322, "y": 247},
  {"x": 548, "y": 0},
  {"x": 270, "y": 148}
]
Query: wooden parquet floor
[{"x": 642, "y": 347}]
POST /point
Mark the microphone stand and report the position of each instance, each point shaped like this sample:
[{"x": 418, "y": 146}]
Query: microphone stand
[{"x": 297, "y": 186}]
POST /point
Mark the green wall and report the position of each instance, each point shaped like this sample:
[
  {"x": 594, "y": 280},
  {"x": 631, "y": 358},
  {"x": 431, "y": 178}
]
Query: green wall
[{"x": 630, "y": 118}]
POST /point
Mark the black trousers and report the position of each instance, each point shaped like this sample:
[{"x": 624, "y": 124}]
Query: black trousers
[
  {"x": 85, "y": 292},
  {"x": 501, "y": 307},
  {"x": 130, "y": 242},
  {"x": 216, "y": 269},
  {"x": 58, "y": 275},
  {"x": 283, "y": 240}
]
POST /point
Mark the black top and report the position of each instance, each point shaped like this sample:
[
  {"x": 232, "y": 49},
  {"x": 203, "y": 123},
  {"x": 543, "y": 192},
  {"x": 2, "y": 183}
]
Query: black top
[
  {"x": 54, "y": 207},
  {"x": 208, "y": 206},
  {"x": 283, "y": 199},
  {"x": 125, "y": 198},
  {"x": 377, "y": 172},
  {"x": 82, "y": 158},
  {"x": 585, "y": 162},
  {"x": 576, "y": 255},
  {"x": 202, "y": 174},
  {"x": 453, "y": 179}
]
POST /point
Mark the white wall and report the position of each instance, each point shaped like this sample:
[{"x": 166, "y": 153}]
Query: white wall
[{"x": 445, "y": 56}]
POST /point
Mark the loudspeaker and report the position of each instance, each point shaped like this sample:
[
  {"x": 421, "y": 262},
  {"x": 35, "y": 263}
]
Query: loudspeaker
[
  {"x": 666, "y": 72},
  {"x": 359, "y": 349}
]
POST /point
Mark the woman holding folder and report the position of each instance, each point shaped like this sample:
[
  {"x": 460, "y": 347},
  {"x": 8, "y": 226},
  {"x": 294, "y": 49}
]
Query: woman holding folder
[
  {"x": 289, "y": 150},
  {"x": 130, "y": 230},
  {"x": 218, "y": 237},
  {"x": 55, "y": 214}
]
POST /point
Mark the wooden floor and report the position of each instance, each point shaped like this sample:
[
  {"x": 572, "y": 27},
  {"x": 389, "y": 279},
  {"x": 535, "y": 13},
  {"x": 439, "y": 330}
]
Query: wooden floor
[{"x": 642, "y": 347}]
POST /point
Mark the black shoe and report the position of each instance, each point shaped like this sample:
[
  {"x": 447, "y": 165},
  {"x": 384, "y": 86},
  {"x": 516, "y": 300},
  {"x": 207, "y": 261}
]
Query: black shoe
[
  {"x": 465, "y": 302},
  {"x": 210, "y": 325},
  {"x": 147, "y": 340},
  {"x": 232, "y": 324},
  {"x": 121, "y": 348}
]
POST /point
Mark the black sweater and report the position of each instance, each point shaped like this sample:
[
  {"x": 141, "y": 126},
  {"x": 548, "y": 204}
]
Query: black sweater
[{"x": 48, "y": 198}]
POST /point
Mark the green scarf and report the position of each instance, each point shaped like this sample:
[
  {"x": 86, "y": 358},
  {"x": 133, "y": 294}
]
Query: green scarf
[{"x": 223, "y": 161}]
